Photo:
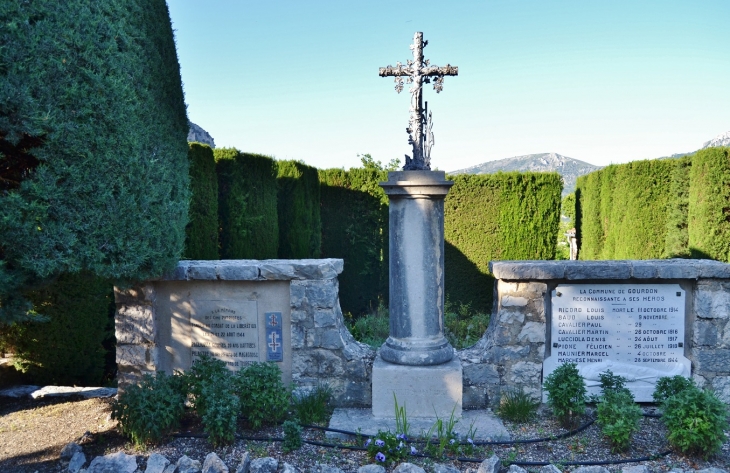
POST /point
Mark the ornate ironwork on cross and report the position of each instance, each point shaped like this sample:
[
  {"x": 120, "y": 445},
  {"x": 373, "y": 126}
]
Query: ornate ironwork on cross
[{"x": 418, "y": 72}]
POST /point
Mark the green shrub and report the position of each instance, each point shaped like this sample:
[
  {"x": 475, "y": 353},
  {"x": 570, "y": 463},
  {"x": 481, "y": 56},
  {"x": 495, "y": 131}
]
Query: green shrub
[
  {"x": 696, "y": 421},
  {"x": 292, "y": 436},
  {"x": 708, "y": 213},
  {"x": 264, "y": 400},
  {"x": 354, "y": 214},
  {"x": 566, "y": 393},
  {"x": 221, "y": 407},
  {"x": 622, "y": 210},
  {"x": 300, "y": 224},
  {"x": 201, "y": 233},
  {"x": 204, "y": 371},
  {"x": 462, "y": 327},
  {"x": 70, "y": 346},
  {"x": 611, "y": 382},
  {"x": 148, "y": 411},
  {"x": 94, "y": 167},
  {"x": 496, "y": 217},
  {"x": 619, "y": 416},
  {"x": 247, "y": 213},
  {"x": 372, "y": 329},
  {"x": 676, "y": 243},
  {"x": 313, "y": 407},
  {"x": 669, "y": 386},
  {"x": 517, "y": 406}
]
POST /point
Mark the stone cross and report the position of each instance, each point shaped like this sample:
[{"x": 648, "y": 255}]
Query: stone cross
[{"x": 418, "y": 72}]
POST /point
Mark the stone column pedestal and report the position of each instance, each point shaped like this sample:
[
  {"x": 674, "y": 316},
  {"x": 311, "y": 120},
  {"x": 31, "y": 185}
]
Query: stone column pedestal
[
  {"x": 416, "y": 365},
  {"x": 416, "y": 269}
]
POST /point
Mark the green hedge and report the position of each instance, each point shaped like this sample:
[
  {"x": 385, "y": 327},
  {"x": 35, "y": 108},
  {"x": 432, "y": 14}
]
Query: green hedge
[
  {"x": 93, "y": 127},
  {"x": 709, "y": 208},
  {"x": 300, "y": 226},
  {"x": 623, "y": 210},
  {"x": 201, "y": 233},
  {"x": 502, "y": 216},
  {"x": 676, "y": 243},
  {"x": 69, "y": 349},
  {"x": 247, "y": 213},
  {"x": 354, "y": 211}
]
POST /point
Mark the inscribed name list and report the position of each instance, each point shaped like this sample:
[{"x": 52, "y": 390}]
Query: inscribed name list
[
  {"x": 635, "y": 330},
  {"x": 225, "y": 330}
]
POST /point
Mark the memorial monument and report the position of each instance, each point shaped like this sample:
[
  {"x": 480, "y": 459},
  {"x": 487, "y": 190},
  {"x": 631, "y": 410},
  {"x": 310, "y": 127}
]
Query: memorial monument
[{"x": 416, "y": 364}]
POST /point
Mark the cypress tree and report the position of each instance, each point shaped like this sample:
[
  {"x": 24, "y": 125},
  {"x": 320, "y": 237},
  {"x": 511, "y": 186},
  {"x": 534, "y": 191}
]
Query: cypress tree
[
  {"x": 709, "y": 212},
  {"x": 201, "y": 240},
  {"x": 93, "y": 127},
  {"x": 300, "y": 226}
]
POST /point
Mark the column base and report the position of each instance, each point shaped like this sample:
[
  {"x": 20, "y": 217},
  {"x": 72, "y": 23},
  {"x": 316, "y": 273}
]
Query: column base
[
  {"x": 417, "y": 352},
  {"x": 425, "y": 391}
]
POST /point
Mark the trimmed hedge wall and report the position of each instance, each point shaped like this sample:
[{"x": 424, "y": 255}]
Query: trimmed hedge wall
[
  {"x": 93, "y": 143},
  {"x": 300, "y": 226},
  {"x": 247, "y": 209},
  {"x": 623, "y": 210},
  {"x": 201, "y": 233},
  {"x": 676, "y": 243},
  {"x": 355, "y": 228},
  {"x": 69, "y": 349},
  {"x": 709, "y": 204},
  {"x": 502, "y": 216}
]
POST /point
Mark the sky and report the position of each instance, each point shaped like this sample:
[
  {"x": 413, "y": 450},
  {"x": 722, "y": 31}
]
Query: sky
[{"x": 599, "y": 81}]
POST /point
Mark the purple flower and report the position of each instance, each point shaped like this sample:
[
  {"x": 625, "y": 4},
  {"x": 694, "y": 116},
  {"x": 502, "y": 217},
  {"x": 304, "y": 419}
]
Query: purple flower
[
  {"x": 368, "y": 442},
  {"x": 401, "y": 436},
  {"x": 413, "y": 450},
  {"x": 380, "y": 457},
  {"x": 470, "y": 441},
  {"x": 452, "y": 441},
  {"x": 379, "y": 443}
]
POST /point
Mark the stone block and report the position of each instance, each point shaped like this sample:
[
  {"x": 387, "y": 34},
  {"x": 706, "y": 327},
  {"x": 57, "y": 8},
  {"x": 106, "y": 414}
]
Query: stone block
[
  {"x": 676, "y": 269},
  {"x": 712, "y": 301},
  {"x": 533, "y": 332},
  {"x": 324, "y": 318},
  {"x": 322, "y": 294},
  {"x": 578, "y": 270},
  {"x": 643, "y": 269},
  {"x": 132, "y": 355},
  {"x": 237, "y": 270},
  {"x": 474, "y": 397},
  {"x": 480, "y": 374},
  {"x": 713, "y": 361},
  {"x": 134, "y": 324},
  {"x": 525, "y": 373},
  {"x": 511, "y": 316},
  {"x": 499, "y": 355},
  {"x": 513, "y": 301},
  {"x": 328, "y": 338},
  {"x": 202, "y": 272},
  {"x": 522, "y": 270},
  {"x": 426, "y": 391},
  {"x": 721, "y": 386},
  {"x": 704, "y": 333}
]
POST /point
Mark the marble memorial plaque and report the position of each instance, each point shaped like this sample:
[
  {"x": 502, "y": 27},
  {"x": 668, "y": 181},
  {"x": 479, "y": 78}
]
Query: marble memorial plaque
[
  {"x": 226, "y": 330},
  {"x": 634, "y": 330}
]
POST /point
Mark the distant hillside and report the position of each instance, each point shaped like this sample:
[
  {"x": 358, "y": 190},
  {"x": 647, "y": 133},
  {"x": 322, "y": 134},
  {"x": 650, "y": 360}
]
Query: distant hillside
[{"x": 570, "y": 169}]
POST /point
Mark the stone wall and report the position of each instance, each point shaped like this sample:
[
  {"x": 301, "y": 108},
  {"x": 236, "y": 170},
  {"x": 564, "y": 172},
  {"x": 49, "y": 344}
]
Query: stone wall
[
  {"x": 509, "y": 355},
  {"x": 322, "y": 348}
]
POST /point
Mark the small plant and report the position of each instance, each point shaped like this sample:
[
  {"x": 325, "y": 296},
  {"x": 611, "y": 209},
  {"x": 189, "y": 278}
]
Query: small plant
[
  {"x": 221, "y": 409},
  {"x": 696, "y": 420},
  {"x": 372, "y": 329},
  {"x": 619, "y": 417},
  {"x": 566, "y": 393},
  {"x": 292, "y": 436},
  {"x": 204, "y": 369},
  {"x": 387, "y": 448},
  {"x": 517, "y": 406},
  {"x": 313, "y": 407},
  {"x": 463, "y": 327},
  {"x": 669, "y": 386},
  {"x": 611, "y": 382},
  {"x": 441, "y": 436},
  {"x": 263, "y": 396},
  {"x": 401, "y": 419},
  {"x": 148, "y": 411}
]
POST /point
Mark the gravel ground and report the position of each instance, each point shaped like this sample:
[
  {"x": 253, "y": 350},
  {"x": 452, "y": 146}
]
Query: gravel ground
[{"x": 32, "y": 435}]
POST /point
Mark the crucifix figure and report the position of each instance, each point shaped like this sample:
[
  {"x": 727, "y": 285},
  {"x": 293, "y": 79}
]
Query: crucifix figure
[{"x": 418, "y": 72}]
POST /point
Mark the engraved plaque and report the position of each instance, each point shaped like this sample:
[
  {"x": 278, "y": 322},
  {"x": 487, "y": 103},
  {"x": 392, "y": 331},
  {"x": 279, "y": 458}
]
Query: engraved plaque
[
  {"x": 227, "y": 330},
  {"x": 634, "y": 330}
]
